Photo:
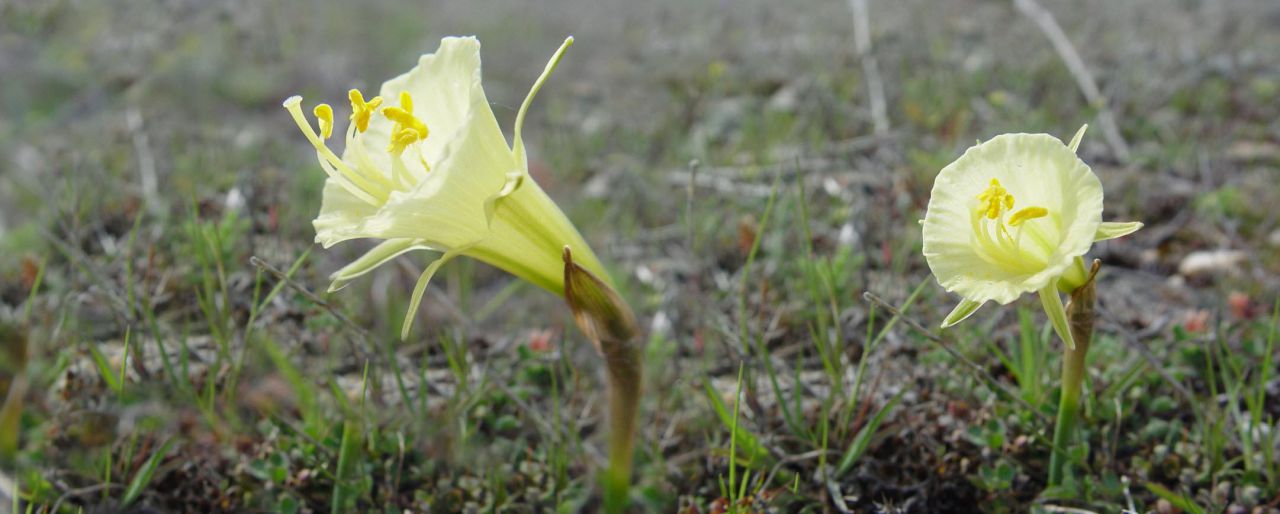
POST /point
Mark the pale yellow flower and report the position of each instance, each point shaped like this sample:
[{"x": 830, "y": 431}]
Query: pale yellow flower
[
  {"x": 432, "y": 170},
  {"x": 1015, "y": 215}
]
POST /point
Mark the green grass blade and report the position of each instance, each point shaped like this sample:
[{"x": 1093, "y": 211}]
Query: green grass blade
[
  {"x": 344, "y": 493},
  {"x": 863, "y": 439},
  {"x": 1179, "y": 501},
  {"x": 140, "y": 480},
  {"x": 744, "y": 441}
]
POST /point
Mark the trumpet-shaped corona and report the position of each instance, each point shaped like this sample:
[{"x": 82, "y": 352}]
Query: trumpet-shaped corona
[
  {"x": 457, "y": 189},
  {"x": 978, "y": 246}
]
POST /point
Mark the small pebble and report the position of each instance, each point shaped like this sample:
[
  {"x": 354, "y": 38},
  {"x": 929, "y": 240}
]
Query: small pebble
[{"x": 1207, "y": 262}]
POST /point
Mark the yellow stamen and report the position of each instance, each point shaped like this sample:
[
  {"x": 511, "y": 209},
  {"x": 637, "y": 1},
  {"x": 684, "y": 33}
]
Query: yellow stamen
[
  {"x": 995, "y": 199},
  {"x": 408, "y": 128},
  {"x": 324, "y": 115},
  {"x": 1027, "y": 213},
  {"x": 361, "y": 111},
  {"x": 350, "y": 179},
  {"x": 406, "y": 101},
  {"x": 993, "y": 241}
]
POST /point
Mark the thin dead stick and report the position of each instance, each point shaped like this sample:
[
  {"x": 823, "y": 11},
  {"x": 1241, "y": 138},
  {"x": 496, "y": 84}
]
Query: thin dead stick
[
  {"x": 870, "y": 68},
  {"x": 688, "y": 205},
  {"x": 75, "y": 493},
  {"x": 1135, "y": 342},
  {"x": 1048, "y": 25},
  {"x": 342, "y": 318},
  {"x": 946, "y": 345},
  {"x": 146, "y": 161}
]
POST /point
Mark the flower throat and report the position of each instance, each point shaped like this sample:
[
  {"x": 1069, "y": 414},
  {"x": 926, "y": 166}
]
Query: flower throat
[{"x": 993, "y": 240}]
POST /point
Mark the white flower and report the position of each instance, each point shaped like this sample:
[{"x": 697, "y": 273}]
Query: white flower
[
  {"x": 1014, "y": 215},
  {"x": 434, "y": 172}
]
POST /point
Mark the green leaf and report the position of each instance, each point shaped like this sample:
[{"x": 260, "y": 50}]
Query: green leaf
[
  {"x": 1179, "y": 501},
  {"x": 863, "y": 439},
  {"x": 140, "y": 480},
  {"x": 746, "y": 442},
  {"x": 345, "y": 490},
  {"x": 104, "y": 369}
]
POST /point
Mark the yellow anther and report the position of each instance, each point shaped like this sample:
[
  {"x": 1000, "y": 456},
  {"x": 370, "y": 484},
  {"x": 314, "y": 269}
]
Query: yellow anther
[
  {"x": 995, "y": 199},
  {"x": 405, "y": 120},
  {"x": 406, "y": 101},
  {"x": 408, "y": 128},
  {"x": 361, "y": 111},
  {"x": 324, "y": 114},
  {"x": 1027, "y": 213}
]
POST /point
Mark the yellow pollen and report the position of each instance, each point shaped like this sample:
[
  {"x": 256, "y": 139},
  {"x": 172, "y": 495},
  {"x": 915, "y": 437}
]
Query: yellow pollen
[
  {"x": 324, "y": 115},
  {"x": 1027, "y": 213},
  {"x": 995, "y": 199},
  {"x": 408, "y": 128},
  {"x": 361, "y": 110}
]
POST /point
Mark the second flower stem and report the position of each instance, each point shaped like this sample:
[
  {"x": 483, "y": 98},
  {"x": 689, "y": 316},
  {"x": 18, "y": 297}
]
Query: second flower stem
[
  {"x": 1068, "y": 407},
  {"x": 624, "y": 369}
]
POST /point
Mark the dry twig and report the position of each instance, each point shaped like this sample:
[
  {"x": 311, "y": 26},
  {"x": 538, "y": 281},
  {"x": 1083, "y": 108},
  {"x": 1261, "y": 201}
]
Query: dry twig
[
  {"x": 946, "y": 345},
  {"x": 1045, "y": 21},
  {"x": 361, "y": 333},
  {"x": 870, "y": 68}
]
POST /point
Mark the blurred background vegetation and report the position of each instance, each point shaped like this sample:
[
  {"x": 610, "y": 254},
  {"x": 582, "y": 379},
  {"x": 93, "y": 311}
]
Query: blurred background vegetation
[{"x": 168, "y": 347}]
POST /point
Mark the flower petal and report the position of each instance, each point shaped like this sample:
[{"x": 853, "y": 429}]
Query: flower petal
[
  {"x": 518, "y": 143},
  {"x": 341, "y": 216},
  {"x": 1057, "y": 314},
  {"x": 1074, "y": 145},
  {"x": 378, "y": 256},
  {"x": 445, "y": 87},
  {"x": 447, "y": 208},
  {"x": 421, "y": 287},
  {"x": 1113, "y": 229},
  {"x": 961, "y": 312}
]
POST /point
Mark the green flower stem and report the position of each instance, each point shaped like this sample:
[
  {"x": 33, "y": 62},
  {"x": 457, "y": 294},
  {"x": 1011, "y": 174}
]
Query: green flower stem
[
  {"x": 1080, "y": 315},
  {"x": 624, "y": 370},
  {"x": 1068, "y": 407}
]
